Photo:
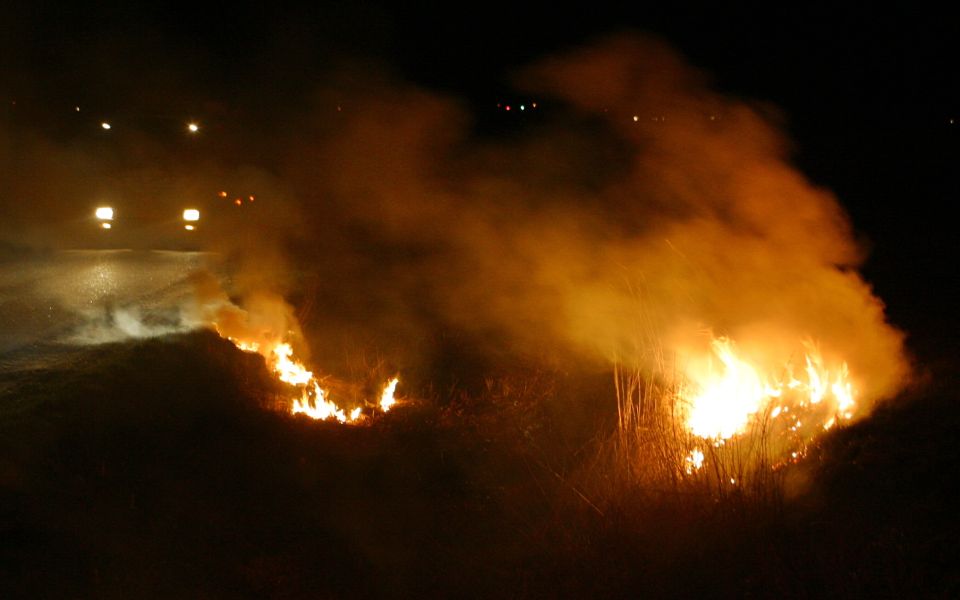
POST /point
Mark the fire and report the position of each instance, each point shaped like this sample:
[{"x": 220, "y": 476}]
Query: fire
[
  {"x": 694, "y": 461},
  {"x": 316, "y": 406},
  {"x": 386, "y": 398},
  {"x": 727, "y": 395},
  {"x": 288, "y": 370},
  {"x": 313, "y": 400}
]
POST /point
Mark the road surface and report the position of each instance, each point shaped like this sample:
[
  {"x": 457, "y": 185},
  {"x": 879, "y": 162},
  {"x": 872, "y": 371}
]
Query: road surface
[{"x": 77, "y": 298}]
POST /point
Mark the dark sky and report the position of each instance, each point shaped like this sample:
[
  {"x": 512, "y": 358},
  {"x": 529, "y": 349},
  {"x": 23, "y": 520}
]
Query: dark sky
[
  {"x": 868, "y": 94},
  {"x": 830, "y": 61}
]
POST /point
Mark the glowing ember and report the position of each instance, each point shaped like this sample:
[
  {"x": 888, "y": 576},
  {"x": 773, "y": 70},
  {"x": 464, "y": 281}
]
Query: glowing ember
[
  {"x": 727, "y": 395},
  {"x": 694, "y": 461},
  {"x": 386, "y": 398}
]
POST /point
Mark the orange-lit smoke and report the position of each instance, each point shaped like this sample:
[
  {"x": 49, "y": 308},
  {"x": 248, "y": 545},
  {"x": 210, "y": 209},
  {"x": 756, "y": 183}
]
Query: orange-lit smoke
[
  {"x": 581, "y": 234},
  {"x": 591, "y": 234}
]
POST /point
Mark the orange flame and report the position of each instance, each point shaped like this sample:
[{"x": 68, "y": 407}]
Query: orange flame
[
  {"x": 726, "y": 399},
  {"x": 313, "y": 401},
  {"x": 386, "y": 398}
]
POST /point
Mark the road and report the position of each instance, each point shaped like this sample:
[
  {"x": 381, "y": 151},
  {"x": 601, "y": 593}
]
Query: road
[{"x": 77, "y": 298}]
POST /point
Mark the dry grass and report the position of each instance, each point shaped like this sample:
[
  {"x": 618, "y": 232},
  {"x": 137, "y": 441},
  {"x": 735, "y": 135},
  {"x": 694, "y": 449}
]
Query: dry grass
[
  {"x": 648, "y": 452},
  {"x": 537, "y": 483}
]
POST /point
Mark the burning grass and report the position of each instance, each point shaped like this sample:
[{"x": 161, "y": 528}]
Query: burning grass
[{"x": 531, "y": 485}]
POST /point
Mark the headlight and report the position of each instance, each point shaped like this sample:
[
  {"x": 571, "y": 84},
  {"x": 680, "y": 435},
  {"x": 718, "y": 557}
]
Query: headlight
[
  {"x": 190, "y": 216},
  {"x": 104, "y": 213}
]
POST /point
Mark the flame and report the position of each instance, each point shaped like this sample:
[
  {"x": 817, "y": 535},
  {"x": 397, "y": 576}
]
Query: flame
[
  {"x": 313, "y": 401},
  {"x": 386, "y": 398},
  {"x": 726, "y": 395},
  {"x": 694, "y": 461},
  {"x": 316, "y": 406},
  {"x": 288, "y": 370}
]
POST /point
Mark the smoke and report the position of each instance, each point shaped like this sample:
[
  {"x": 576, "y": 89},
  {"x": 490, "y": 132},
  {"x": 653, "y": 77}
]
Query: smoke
[
  {"x": 264, "y": 319},
  {"x": 633, "y": 217},
  {"x": 634, "y": 214}
]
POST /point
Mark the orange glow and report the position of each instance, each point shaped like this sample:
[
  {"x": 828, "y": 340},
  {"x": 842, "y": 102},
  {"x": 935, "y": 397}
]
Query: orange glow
[
  {"x": 727, "y": 395},
  {"x": 313, "y": 400},
  {"x": 694, "y": 461},
  {"x": 238, "y": 201},
  {"x": 314, "y": 404},
  {"x": 386, "y": 398},
  {"x": 310, "y": 399},
  {"x": 222, "y": 194}
]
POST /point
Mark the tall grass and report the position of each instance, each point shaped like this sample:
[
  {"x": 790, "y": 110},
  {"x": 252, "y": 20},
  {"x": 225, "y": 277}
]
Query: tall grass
[{"x": 649, "y": 452}]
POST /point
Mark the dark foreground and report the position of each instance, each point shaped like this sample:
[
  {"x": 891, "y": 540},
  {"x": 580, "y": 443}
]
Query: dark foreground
[{"x": 151, "y": 470}]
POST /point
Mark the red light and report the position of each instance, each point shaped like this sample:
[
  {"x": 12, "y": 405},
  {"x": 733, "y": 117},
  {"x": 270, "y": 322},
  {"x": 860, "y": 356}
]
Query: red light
[{"x": 508, "y": 107}]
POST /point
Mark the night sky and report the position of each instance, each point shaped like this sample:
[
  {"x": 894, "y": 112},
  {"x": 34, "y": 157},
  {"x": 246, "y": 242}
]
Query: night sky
[{"x": 869, "y": 96}]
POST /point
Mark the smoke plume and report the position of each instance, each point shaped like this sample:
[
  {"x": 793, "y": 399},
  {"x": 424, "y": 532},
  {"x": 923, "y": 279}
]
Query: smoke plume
[
  {"x": 634, "y": 217},
  {"x": 631, "y": 216}
]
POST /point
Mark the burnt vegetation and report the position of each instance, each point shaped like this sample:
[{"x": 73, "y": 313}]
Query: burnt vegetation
[{"x": 159, "y": 469}]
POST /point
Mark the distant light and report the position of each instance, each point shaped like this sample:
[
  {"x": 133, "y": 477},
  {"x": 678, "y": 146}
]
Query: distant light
[
  {"x": 507, "y": 107},
  {"x": 238, "y": 201},
  {"x": 252, "y": 198},
  {"x": 76, "y": 108},
  {"x": 522, "y": 107},
  {"x": 104, "y": 213},
  {"x": 635, "y": 118},
  {"x": 193, "y": 127},
  {"x": 222, "y": 194},
  {"x": 534, "y": 105},
  {"x": 191, "y": 214},
  {"x": 105, "y": 125},
  {"x": 106, "y": 225},
  {"x": 189, "y": 227}
]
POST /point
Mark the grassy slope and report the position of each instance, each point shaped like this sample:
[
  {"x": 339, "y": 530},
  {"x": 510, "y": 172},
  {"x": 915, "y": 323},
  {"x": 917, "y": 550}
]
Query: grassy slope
[{"x": 122, "y": 483}]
